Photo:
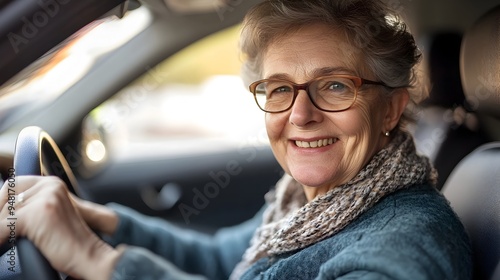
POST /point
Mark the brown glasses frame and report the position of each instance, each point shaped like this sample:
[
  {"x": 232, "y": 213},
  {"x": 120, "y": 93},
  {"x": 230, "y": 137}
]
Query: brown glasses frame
[{"x": 358, "y": 82}]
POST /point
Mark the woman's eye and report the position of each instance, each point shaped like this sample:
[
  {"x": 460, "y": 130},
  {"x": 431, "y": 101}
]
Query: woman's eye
[
  {"x": 336, "y": 86},
  {"x": 282, "y": 89}
]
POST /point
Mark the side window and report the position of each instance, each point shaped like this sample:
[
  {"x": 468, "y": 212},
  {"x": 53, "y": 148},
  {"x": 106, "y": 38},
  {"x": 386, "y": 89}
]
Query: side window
[{"x": 193, "y": 102}]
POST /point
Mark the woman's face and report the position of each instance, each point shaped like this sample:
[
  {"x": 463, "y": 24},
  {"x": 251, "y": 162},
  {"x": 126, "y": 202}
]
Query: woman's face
[{"x": 357, "y": 133}]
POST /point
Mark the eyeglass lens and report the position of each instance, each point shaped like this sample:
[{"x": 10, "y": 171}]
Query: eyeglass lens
[{"x": 328, "y": 93}]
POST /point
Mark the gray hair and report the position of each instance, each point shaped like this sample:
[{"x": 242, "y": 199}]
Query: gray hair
[{"x": 370, "y": 26}]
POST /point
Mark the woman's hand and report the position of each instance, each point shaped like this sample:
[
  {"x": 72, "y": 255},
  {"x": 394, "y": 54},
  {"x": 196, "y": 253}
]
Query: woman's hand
[
  {"x": 48, "y": 215},
  {"x": 98, "y": 217}
]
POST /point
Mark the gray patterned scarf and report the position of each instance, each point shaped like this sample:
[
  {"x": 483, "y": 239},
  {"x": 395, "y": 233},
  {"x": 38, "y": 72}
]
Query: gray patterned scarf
[{"x": 291, "y": 223}]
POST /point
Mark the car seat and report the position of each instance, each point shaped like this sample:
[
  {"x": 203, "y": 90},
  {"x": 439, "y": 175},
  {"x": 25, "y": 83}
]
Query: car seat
[
  {"x": 442, "y": 51},
  {"x": 473, "y": 188},
  {"x": 446, "y": 130}
]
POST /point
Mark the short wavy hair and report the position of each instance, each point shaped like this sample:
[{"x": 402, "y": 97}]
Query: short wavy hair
[{"x": 371, "y": 26}]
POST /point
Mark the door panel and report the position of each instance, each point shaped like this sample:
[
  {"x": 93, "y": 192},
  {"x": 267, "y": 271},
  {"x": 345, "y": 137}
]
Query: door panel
[{"x": 204, "y": 192}]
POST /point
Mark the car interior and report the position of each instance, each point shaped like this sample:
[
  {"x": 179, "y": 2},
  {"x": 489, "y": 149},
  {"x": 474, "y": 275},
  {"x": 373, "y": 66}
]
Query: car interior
[
  {"x": 473, "y": 188},
  {"x": 206, "y": 183}
]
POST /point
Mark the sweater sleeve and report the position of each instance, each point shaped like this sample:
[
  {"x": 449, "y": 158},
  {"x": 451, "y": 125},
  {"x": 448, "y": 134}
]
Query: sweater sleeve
[
  {"x": 140, "y": 263},
  {"x": 159, "y": 250}
]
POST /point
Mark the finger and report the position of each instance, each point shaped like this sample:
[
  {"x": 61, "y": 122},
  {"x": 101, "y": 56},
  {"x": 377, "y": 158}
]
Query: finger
[
  {"x": 16, "y": 201},
  {"x": 21, "y": 184},
  {"x": 38, "y": 204},
  {"x": 30, "y": 187},
  {"x": 9, "y": 214},
  {"x": 13, "y": 194},
  {"x": 7, "y": 188},
  {"x": 15, "y": 185},
  {"x": 8, "y": 223},
  {"x": 24, "y": 183}
]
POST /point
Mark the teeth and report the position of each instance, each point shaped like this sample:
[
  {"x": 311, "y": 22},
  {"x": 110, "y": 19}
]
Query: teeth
[{"x": 316, "y": 144}]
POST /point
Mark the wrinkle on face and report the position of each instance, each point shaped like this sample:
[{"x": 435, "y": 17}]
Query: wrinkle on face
[{"x": 360, "y": 144}]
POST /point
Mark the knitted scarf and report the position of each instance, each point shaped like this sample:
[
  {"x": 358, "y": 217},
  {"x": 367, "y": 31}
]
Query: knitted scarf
[{"x": 291, "y": 223}]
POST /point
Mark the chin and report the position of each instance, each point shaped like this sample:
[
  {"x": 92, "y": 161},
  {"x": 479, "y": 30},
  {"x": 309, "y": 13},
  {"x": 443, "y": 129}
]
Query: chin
[{"x": 314, "y": 178}]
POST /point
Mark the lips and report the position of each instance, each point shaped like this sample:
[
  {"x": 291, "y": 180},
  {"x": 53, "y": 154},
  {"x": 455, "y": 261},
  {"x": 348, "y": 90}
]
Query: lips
[{"x": 316, "y": 144}]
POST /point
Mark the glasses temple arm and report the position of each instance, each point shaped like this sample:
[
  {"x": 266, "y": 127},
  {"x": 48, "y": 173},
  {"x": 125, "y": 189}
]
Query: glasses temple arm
[{"x": 376, "y": 83}]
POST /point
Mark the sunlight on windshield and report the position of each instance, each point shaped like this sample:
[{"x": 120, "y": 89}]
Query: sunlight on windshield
[
  {"x": 217, "y": 114},
  {"x": 73, "y": 60},
  {"x": 194, "y": 101}
]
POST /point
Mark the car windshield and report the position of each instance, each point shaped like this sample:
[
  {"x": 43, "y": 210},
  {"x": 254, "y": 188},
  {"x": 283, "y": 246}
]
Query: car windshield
[
  {"x": 184, "y": 105},
  {"x": 59, "y": 69}
]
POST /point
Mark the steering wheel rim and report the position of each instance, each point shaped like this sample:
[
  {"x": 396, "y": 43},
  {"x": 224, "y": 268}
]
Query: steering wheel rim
[{"x": 35, "y": 149}]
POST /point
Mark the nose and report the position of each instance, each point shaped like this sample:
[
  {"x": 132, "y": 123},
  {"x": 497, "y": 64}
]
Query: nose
[{"x": 303, "y": 110}]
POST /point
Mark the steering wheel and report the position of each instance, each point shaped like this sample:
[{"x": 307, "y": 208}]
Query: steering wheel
[{"x": 37, "y": 153}]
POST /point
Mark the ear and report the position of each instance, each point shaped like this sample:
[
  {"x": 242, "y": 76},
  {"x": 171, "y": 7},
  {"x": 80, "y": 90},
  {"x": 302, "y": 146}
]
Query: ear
[{"x": 396, "y": 106}]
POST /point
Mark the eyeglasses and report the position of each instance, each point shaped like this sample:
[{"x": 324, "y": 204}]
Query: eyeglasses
[{"x": 332, "y": 93}]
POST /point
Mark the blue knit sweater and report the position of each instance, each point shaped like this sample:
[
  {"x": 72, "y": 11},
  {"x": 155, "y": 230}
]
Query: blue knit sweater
[{"x": 412, "y": 234}]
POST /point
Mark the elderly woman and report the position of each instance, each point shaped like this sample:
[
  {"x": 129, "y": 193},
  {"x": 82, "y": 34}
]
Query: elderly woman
[{"x": 357, "y": 202}]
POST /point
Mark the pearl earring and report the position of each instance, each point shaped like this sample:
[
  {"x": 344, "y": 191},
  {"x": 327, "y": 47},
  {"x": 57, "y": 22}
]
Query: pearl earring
[{"x": 387, "y": 133}]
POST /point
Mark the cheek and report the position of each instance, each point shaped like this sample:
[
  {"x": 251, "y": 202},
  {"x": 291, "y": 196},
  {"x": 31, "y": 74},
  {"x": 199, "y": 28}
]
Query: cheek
[
  {"x": 275, "y": 125},
  {"x": 363, "y": 136},
  {"x": 369, "y": 118},
  {"x": 271, "y": 126},
  {"x": 358, "y": 121}
]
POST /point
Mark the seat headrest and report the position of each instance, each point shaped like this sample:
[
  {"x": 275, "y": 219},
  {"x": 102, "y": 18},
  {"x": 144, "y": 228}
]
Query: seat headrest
[
  {"x": 480, "y": 64},
  {"x": 444, "y": 70}
]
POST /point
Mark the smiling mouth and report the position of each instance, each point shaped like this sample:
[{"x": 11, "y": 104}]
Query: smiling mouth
[{"x": 316, "y": 144}]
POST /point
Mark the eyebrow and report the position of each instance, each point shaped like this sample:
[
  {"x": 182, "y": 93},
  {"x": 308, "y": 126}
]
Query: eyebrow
[{"x": 324, "y": 71}]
